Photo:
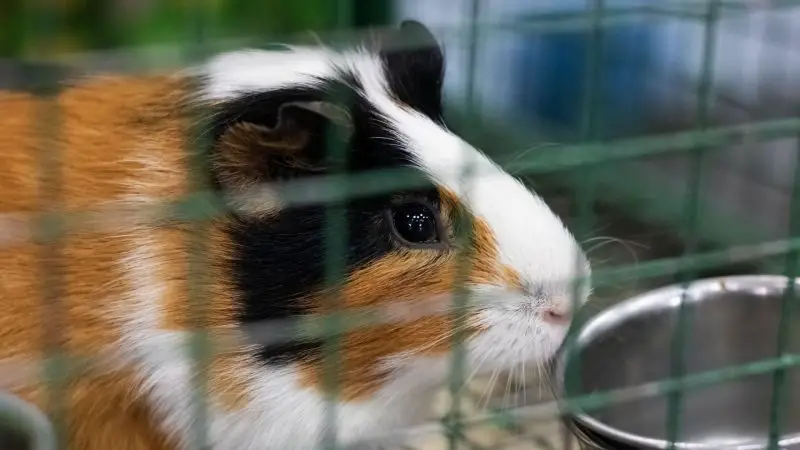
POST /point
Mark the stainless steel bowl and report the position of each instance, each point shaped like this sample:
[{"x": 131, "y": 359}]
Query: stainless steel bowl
[{"x": 731, "y": 321}]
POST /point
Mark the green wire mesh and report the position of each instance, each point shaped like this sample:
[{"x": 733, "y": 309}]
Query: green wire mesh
[{"x": 159, "y": 33}]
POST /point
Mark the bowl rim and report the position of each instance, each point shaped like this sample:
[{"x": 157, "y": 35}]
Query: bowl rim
[
  {"x": 666, "y": 297},
  {"x": 33, "y": 423}
]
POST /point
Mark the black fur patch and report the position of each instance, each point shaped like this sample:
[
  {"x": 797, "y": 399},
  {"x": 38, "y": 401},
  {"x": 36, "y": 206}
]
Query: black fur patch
[
  {"x": 415, "y": 68},
  {"x": 279, "y": 261}
]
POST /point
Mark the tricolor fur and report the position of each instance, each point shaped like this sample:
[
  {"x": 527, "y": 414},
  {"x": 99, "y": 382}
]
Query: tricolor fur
[{"x": 123, "y": 141}]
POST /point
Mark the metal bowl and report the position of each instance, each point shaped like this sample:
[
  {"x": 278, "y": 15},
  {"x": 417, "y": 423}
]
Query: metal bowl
[{"x": 731, "y": 321}]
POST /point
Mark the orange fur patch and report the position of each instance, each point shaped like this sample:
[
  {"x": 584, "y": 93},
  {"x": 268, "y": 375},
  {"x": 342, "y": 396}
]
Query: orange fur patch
[
  {"x": 101, "y": 412},
  {"x": 117, "y": 137}
]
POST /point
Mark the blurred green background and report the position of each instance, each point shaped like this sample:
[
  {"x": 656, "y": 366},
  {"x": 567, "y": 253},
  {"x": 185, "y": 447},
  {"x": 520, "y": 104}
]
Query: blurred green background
[{"x": 49, "y": 27}]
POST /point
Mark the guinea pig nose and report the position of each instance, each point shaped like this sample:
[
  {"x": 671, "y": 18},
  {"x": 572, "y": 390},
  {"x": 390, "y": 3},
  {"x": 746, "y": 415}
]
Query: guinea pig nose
[{"x": 557, "y": 315}]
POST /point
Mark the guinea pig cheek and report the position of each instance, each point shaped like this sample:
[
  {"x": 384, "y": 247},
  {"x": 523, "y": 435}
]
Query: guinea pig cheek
[{"x": 414, "y": 288}]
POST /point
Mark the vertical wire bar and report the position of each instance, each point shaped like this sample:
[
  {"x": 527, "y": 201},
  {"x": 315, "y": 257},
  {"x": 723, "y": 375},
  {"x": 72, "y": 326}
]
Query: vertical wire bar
[
  {"x": 336, "y": 234},
  {"x": 764, "y": 67},
  {"x": 690, "y": 225},
  {"x": 585, "y": 192},
  {"x": 44, "y": 24},
  {"x": 197, "y": 148},
  {"x": 780, "y": 388},
  {"x": 472, "y": 55},
  {"x": 336, "y": 241},
  {"x": 461, "y": 298},
  {"x": 593, "y": 75},
  {"x": 51, "y": 234}
]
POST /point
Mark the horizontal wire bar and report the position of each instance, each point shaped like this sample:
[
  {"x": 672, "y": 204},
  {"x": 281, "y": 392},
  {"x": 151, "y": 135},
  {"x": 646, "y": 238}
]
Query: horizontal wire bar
[
  {"x": 554, "y": 408},
  {"x": 170, "y": 56},
  {"x": 230, "y": 340},
  {"x": 569, "y": 405},
  {"x": 205, "y": 205},
  {"x": 312, "y": 327}
]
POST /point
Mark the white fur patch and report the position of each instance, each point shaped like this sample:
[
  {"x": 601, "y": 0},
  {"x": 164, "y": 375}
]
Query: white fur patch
[
  {"x": 247, "y": 71},
  {"x": 281, "y": 415}
]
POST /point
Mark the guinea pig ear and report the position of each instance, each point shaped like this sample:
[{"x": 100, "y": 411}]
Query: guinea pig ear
[
  {"x": 415, "y": 65},
  {"x": 256, "y": 145},
  {"x": 420, "y": 32}
]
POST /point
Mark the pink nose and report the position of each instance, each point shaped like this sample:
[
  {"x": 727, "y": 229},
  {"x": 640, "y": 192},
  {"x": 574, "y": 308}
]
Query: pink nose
[{"x": 557, "y": 316}]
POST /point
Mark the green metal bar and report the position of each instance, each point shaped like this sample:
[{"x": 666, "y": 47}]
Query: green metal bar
[
  {"x": 335, "y": 253},
  {"x": 599, "y": 400},
  {"x": 196, "y": 19},
  {"x": 578, "y": 155},
  {"x": 691, "y": 215},
  {"x": 314, "y": 327},
  {"x": 42, "y": 26},
  {"x": 465, "y": 241},
  {"x": 50, "y": 252},
  {"x": 593, "y": 78},
  {"x": 489, "y": 135},
  {"x": 586, "y": 187},
  {"x": 336, "y": 240}
]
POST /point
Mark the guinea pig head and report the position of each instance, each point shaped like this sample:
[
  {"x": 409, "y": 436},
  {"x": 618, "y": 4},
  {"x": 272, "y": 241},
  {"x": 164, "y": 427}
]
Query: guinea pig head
[{"x": 402, "y": 251}]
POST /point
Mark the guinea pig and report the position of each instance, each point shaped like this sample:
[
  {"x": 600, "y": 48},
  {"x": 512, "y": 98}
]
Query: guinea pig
[{"x": 126, "y": 292}]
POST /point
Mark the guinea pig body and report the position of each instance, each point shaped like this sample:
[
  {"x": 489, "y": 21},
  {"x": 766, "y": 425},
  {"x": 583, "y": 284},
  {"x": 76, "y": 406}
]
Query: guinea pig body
[{"x": 126, "y": 290}]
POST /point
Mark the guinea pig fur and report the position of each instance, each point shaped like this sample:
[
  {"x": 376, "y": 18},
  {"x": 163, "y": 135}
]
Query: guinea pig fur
[{"x": 126, "y": 290}]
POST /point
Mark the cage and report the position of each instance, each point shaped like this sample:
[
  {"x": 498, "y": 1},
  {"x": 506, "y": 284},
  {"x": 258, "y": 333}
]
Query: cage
[{"x": 665, "y": 135}]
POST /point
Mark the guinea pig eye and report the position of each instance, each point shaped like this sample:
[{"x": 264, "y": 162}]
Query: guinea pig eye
[{"x": 415, "y": 223}]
